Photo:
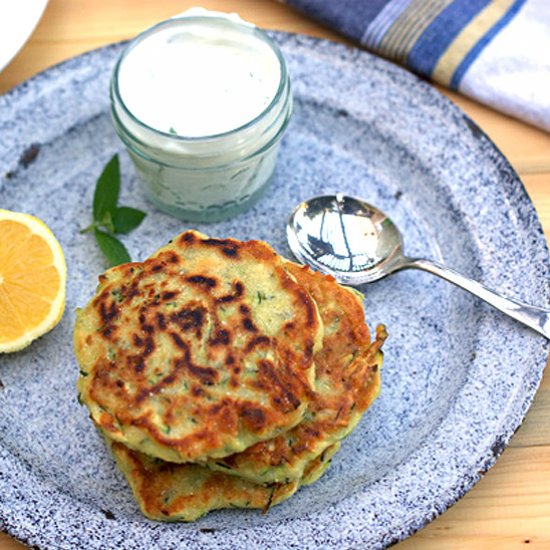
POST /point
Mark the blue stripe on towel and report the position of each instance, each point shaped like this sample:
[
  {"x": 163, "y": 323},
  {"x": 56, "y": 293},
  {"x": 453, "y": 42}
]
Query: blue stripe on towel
[
  {"x": 370, "y": 21},
  {"x": 437, "y": 37},
  {"x": 350, "y": 17},
  {"x": 380, "y": 24},
  {"x": 472, "y": 55}
]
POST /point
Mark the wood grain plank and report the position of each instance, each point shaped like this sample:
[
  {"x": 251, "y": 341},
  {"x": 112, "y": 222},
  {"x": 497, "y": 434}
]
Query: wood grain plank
[
  {"x": 535, "y": 429},
  {"x": 7, "y": 543},
  {"x": 508, "y": 509}
]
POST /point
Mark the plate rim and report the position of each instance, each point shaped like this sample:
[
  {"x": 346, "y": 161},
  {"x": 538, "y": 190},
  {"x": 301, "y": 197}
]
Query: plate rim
[{"x": 502, "y": 440}]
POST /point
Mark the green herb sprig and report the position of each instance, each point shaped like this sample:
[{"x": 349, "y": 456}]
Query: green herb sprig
[{"x": 111, "y": 219}]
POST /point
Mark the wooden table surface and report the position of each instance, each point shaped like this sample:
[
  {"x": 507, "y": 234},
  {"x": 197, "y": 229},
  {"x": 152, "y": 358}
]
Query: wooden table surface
[{"x": 510, "y": 506}]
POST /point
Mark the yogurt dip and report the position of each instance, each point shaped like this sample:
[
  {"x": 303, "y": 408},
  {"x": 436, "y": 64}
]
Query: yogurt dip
[
  {"x": 201, "y": 102},
  {"x": 204, "y": 81}
]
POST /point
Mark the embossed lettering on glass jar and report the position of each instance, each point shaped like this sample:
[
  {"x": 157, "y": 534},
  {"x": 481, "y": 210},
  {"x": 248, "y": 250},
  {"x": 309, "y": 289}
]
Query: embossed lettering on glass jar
[{"x": 201, "y": 103}]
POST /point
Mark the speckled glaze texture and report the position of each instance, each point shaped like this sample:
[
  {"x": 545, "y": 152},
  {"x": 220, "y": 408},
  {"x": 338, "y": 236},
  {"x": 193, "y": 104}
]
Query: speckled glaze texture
[{"x": 458, "y": 376}]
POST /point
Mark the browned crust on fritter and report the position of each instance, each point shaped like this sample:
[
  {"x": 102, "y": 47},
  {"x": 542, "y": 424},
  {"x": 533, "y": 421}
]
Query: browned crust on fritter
[
  {"x": 348, "y": 363},
  {"x": 141, "y": 311},
  {"x": 183, "y": 492}
]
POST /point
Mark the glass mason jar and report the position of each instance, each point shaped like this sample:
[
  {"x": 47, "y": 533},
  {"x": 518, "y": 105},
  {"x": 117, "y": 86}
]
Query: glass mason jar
[{"x": 205, "y": 178}]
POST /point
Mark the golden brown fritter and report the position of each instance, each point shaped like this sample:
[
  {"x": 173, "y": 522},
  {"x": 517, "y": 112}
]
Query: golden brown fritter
[
  {"x": 200, "y": 351},
  {"x": 184, "y": 492},
  {"x": 347, "y": 382}
]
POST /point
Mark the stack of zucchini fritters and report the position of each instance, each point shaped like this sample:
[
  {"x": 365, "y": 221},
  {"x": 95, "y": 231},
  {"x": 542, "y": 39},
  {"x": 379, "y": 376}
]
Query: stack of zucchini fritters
[{"x": 223, "y": 375}]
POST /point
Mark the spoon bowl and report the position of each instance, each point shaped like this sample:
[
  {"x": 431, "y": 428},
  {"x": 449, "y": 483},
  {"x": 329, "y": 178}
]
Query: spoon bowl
[
  {"x": 356, "y": 243},
  {"x": 345, "y": 237}
]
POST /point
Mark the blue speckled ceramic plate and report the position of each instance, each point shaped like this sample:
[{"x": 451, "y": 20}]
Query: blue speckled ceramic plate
[{"x": 458, "y": 376}]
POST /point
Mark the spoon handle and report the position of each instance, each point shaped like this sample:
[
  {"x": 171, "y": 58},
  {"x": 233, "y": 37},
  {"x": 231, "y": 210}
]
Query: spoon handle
[{"x": 534, "y": 317}]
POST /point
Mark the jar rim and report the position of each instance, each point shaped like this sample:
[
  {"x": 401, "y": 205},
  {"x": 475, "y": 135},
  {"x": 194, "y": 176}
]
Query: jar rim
[
  {"x": 116, "y": 96},
  {"x": 131, "y": 143}
]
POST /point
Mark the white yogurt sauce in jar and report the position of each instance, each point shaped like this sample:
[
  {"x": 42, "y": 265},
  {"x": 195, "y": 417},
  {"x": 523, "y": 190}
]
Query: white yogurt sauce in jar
[{"x": 201, "y": 103}]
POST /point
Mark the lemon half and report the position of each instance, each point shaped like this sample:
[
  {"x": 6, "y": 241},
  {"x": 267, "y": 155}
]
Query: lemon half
[{"x": 33, "y": 276}]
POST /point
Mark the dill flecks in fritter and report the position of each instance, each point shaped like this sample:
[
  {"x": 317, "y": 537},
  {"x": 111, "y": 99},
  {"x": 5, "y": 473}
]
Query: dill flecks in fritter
[
  {"x": 180, "y": 361},
  {"x": 222, "y": 375},
  {"x": 347, "y": 381}
]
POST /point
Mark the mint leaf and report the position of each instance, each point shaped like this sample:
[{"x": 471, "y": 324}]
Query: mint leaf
[
  {"x": 91, "y": 227},
  {"x": 106, "y": 191},
  {"x": 109, "y": 218},
  {"x": 125, "y": 219},
  {"x": 107, "y": 222},
  {"x": 112, "y": 248}
]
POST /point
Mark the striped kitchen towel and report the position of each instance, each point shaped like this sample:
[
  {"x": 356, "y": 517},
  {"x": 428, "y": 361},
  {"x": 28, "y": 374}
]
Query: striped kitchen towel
[{"x": 496, "y": 51}]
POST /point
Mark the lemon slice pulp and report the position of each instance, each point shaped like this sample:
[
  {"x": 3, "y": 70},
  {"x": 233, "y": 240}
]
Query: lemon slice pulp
[{"x": 33, "y": 276}]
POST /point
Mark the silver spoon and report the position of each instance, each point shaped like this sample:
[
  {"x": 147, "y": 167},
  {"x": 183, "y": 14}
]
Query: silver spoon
[{"x": 356, "y": 243}]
